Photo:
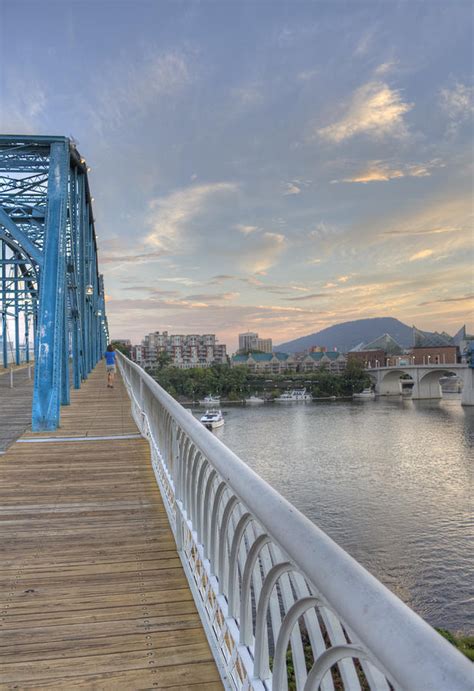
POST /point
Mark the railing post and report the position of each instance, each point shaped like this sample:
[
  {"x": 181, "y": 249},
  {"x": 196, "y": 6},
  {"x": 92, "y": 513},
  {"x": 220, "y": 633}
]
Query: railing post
[
  {"x": 11, "y": 377},
  {"x": 177, "y": 486}
]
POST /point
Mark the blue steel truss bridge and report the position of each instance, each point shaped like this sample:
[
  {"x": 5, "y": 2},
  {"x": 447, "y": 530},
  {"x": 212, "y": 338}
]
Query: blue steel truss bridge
[{"x": 51, "y": 293}]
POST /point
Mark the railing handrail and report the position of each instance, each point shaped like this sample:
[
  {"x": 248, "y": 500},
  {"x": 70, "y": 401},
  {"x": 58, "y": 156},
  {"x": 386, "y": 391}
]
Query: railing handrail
[{"x": 408, "y": 650}]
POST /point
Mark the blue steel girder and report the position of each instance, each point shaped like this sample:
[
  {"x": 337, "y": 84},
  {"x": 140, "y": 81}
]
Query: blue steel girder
[{"x": 49, "y": 267}]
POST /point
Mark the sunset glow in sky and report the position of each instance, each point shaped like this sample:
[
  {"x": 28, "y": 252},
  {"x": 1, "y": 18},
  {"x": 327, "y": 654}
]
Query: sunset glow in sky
[{"x": 272, "y": 166}]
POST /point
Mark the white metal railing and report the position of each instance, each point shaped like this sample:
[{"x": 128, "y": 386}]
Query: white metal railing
[{"x": 283, "y": 605}]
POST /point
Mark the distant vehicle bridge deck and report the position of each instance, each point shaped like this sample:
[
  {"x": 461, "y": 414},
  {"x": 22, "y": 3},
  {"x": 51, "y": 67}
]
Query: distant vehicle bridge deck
[{"x": 426, "y": 380}]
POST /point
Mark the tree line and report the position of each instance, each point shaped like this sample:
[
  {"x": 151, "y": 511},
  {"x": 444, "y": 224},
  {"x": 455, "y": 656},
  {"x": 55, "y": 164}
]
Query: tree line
[{"x": 235, "y": 383}]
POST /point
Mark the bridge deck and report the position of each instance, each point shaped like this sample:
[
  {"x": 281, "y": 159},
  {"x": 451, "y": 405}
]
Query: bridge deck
[{"x": 92, "y": 592}]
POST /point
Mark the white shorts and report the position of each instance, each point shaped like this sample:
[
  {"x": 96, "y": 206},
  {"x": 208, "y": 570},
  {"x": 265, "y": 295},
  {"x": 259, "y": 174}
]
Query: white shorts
[{"x": 110, "y": 368}]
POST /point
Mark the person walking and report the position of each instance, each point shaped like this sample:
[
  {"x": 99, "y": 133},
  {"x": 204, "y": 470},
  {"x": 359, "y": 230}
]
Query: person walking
[{"x": 110, "y": 356}]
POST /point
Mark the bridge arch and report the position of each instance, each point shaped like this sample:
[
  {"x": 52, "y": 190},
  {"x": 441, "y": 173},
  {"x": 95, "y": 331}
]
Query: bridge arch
[
  {"x": 389, "y": 381},
  {"x": 428, "y": 384}
]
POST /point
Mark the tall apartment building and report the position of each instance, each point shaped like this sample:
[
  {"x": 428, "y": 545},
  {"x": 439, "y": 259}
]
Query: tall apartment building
[
  {"x": 186, "y": 351},
  {"x": 250, "y": 341}
]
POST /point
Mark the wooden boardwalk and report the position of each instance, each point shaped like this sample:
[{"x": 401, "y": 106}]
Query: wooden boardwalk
[
  {"x": 92, "y": 592},
  {"x": 15, "y": 405}
]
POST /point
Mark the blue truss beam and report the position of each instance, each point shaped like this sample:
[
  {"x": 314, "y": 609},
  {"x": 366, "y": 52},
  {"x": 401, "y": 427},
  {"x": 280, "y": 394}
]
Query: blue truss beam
[
  {"x": 49, "y": 268},
  {"x": 20, "y": 237}
]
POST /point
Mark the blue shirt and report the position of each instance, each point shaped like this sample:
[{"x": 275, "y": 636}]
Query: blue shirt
[{"x": 110, "y": 357}]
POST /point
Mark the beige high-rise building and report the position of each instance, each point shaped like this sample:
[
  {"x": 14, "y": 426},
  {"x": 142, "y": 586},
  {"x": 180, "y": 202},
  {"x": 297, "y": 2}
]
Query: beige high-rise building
[
  {"x": 265, "y": 345},
  {"x": 250, "y": 341}
]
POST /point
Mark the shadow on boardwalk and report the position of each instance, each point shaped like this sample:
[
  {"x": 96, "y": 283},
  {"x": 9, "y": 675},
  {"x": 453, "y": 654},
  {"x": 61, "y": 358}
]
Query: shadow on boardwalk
[{"x": 15, "y": 405}]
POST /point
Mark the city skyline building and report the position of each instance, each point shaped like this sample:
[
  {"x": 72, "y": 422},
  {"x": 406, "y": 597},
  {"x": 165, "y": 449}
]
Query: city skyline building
[
  {"x": 185, "y": 350},
  {"x": 250, "y": 341}
]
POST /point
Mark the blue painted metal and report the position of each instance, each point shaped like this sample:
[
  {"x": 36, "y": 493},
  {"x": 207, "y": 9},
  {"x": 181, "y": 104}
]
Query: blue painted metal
[{"x": 49, "y": 268}]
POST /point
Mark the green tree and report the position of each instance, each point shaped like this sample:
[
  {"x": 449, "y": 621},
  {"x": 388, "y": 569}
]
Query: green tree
[{"x": 121, "y": 347}]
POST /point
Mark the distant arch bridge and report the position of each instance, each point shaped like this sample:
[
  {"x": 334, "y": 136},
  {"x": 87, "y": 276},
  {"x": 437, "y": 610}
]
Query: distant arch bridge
[{"x": 426, "y": 380}]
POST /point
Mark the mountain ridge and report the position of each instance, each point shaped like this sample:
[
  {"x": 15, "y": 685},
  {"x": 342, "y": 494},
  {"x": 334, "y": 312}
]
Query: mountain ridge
[{"x": 347, "y": 335}]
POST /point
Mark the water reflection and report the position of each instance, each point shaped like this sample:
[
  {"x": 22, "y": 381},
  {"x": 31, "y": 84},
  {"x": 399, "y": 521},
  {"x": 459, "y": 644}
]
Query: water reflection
[{"x": 389, "y": 480}]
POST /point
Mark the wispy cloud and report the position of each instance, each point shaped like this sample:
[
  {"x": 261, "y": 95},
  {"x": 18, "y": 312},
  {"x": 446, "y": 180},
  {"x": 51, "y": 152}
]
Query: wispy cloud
[
  {"x": 213, "y": 297},
  {"x": 130, "y": 86},
  {"x": 261, "y": 251},
  {"x": 385, "y": 67},
  {"x": 246, "y": 229},
  {"x": 374, "y": 109},
  {"x": 458, "y": 104},
  {"x": 169, "y": 216},
  {"x": 464, "y": 298},
  {"x": 422, "y": 254},
  {"x": 380, "y": 171},
  {"x": 23, "y": 107},
  {"x": 143, "y": 257},
  {"x": 291, "y": 188},
  {"x": 312, "y": 296},
  {"x": 248, "y": 96}
]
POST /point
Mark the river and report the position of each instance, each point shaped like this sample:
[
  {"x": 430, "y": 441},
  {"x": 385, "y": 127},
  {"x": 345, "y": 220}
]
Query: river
[{"x": 389, "y": 480}]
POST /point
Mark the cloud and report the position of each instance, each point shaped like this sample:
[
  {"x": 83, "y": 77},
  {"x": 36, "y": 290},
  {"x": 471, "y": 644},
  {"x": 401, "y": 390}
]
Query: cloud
[
  {"x": 458, "y": 104},
  {"x": 364, "y": 42},
  {"x": 170, "y": 216},
  {"x": 23, "y": 107},
  {"x": 247, "y": 97},
  {"x": 379, "y": 171},
  {"x": 221, "y": 278},
  {"x": 144, "y": 257},
  {"x": 422, "y": 254},
  {"x": 245, "y": 230},
  {"x": 128, "y": 87},
  {"x": 212, "y": 297},
  {"x": 307, "y": 75},
  {"x": 262, "y": 252},
  {"x": 291, "y": 188},
  {"x": 385, "y": 67},
  {"x": 455, "y": 299},
  {"x": 312, "y": 296},
  {"x": 375, "y": 109}
]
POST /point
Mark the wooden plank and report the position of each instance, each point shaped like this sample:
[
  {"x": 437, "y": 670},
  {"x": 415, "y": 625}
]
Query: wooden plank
[{"x": 92, "y": 591}]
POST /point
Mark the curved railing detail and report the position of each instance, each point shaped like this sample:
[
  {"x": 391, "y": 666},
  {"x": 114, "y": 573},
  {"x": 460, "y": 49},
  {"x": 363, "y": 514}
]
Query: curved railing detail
[{"x": 283, "y": 606}]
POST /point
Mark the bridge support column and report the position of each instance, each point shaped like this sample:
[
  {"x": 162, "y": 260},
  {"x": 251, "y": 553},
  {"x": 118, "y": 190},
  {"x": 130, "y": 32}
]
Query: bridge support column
[
  {"x": 467, "y": 397},
  {"x": 47, "y": 390},
  {"x": 426, "y": 387},
  {"x": 390, "y": 387}
]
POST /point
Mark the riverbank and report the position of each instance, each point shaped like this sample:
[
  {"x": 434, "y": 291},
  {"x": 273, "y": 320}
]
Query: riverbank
[
  {"x": 233, "y": 384},
  {"x": 465, "y": 644}
]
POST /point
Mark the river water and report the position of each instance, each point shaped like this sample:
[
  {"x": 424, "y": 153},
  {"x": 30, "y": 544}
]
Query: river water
[{"x": 389, "y": 480}]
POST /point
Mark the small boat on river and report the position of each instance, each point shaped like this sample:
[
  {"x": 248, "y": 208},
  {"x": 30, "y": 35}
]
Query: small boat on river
[
  {"x": 212, "y": 419},
  {"x": 210, "y": 401},
  {"x": 294, "y": 395},
  {"x": 366, "y": 394},
  {"x": 254, "y": 400}
]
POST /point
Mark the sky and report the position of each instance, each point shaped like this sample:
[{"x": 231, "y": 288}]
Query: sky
[{"x": 261, "y": 165}]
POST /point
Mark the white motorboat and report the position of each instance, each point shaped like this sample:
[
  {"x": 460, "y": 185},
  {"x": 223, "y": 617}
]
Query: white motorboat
[
  {"x": 254, "y": 400},
  {"x": 294, "y": 395},
  {"x": 210, "y": 401},
  {"x": 366, "y": 394},
  {"x": 212, "y": 419}
]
